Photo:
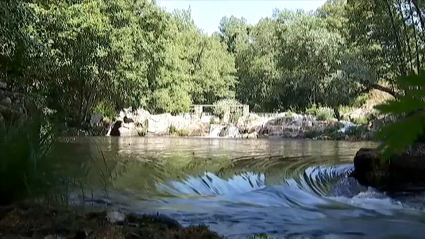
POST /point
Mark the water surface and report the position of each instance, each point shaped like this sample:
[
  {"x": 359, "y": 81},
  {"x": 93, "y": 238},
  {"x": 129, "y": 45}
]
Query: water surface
[{"x": 284, "y": 188}]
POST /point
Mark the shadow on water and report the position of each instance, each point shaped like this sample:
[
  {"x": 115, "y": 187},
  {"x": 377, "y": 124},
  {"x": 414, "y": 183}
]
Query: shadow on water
[{"x": 286, "y": 188}]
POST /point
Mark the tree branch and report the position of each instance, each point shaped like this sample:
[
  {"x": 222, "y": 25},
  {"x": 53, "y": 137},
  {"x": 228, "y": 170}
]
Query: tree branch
[{"x": 383, "y": 89}]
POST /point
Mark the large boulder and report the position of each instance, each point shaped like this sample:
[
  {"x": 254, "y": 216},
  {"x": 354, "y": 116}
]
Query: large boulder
[{"x": 405, "y": 172}]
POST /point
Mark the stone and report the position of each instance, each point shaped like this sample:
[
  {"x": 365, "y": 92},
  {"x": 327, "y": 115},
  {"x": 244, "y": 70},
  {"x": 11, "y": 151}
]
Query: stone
[
  {"x": 115, "y": 217},
  {"x": 252, "y": 135},
  {"x": 405, "y": 172},
  {"x": 96, "y": 120},
  {"x": 115, "y": 130},
  {"x": 6, "y": 101},
  {"x": 3, "y": 85}
]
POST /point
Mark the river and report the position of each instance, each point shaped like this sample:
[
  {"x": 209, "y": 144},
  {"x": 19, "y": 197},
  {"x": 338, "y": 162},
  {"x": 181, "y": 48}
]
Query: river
[{"x": 283, "y": 188}]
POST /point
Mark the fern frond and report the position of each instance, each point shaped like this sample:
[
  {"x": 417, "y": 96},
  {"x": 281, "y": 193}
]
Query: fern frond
[
  {"x": 404, "y": 104},
  {"x": 399, "y": 135},
  {"x": 413, "y": 80}
]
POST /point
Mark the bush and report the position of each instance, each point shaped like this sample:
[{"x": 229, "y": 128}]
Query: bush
[
  {"x": 228, "y": 106},
  {"x": 324, "y": 113},
  {"x": 178, "y": 132},
  {"x": 106, "y": 109},
  {"x": 214, "y": 121},
  {"x": 360, "y": 120},
  {"x": 321, "y": 113},
  {"x": 360, "y": 100},
  {"x": 312, "y": 110}
]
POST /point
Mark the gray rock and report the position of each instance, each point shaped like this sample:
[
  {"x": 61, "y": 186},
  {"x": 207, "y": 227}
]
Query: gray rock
[
  {"x": 3, "y": 85},
  {"x": 115, "y": 217},
  {"x": 6, "y": 101},
  {"x": 96, "y": 120}
]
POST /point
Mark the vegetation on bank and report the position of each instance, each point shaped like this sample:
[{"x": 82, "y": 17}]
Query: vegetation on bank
[
  {"x": 85, "y": 56},
  {"x": 134, "y": 53}
]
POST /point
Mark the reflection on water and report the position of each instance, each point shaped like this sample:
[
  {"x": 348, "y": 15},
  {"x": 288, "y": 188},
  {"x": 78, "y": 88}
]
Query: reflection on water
[{"x": 286, "y": 188}]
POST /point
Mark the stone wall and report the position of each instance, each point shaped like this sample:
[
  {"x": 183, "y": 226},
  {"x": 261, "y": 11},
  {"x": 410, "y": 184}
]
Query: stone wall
[{"x": 13, "y": 106}]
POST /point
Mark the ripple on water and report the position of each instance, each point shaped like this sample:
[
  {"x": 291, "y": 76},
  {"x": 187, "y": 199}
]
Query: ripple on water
[{"x": 290, "y": 189}]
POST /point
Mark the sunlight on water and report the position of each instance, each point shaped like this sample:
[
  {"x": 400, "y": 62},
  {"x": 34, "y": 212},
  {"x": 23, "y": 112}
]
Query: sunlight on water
[{"x": 285, "y": 188}]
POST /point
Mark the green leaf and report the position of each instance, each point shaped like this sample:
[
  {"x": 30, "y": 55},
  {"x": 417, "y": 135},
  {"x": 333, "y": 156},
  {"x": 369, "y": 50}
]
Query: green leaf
[
  {"x": 415, "y": 80},
  {"x": 404, "y": 104},
  {"x": 399, "y": 135}
]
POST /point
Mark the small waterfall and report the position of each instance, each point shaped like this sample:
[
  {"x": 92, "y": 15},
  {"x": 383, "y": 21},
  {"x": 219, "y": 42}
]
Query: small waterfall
[
  {"x": 109, "y": 130},
  {"x": 215, "y": 130},
  {"x": 347, "y": 126}
]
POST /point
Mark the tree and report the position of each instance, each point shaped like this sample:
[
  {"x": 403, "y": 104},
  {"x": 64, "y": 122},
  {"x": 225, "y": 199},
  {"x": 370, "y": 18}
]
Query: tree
[
  {"x": 234, "y": 33},
  {"x": 389, "y": 36},
  {"x": 257, "y": 67},
  {"x": 309, "y": 54}
]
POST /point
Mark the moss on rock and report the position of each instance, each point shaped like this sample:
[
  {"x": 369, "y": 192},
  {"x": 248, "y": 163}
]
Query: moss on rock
[{"x": 35, "y": 221}]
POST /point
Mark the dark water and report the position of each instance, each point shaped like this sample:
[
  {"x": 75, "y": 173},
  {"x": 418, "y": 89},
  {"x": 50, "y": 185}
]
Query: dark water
[{"x": 283, "y": 188}]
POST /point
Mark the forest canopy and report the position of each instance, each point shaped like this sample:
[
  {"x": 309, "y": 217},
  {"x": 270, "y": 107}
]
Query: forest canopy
[{"x": 79, "y": 54}]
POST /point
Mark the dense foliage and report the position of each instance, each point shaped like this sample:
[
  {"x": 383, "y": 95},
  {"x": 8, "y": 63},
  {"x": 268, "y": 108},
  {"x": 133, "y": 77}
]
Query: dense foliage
[
  {"x": 83, "y": 56},
  {"x": 409, "y": 109}
]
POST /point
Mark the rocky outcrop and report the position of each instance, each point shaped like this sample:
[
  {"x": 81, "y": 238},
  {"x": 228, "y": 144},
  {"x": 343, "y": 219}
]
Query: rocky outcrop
[
  {"x": 140, "y": 122},
  {"x": 405, "y": 172},
  {"x": 285, "y": 125}
]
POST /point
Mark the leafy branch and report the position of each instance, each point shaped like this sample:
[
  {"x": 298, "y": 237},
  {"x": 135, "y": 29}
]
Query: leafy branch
[{"x": 409, "y": 107}]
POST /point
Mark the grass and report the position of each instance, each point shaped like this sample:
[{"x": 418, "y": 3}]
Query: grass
[
  {"x": 321, "y": 113},
  {"x": 24, "y": 148},
  {"x": 38, "y": 173},
  {"x": 178, "y": 132}
]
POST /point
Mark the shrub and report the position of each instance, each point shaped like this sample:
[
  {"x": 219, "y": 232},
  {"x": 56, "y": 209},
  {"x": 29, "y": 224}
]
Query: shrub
[
  {"x": 324, "y": 113},
  {"x": 106, "y": 109},
  {"x": 321, "y": 113},
  {"x": 360, "y": 120},
  {"x": 178, "y": 132},
  {"x": 213, "y": 120},
  {"x": 360, "y": 100},
  {"x": 228, "y": 106},
  {"x": 312, "y": 110}
]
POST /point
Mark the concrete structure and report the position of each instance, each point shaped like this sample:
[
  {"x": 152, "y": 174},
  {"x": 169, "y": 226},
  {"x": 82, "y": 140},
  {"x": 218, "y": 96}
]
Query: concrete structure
[{"x": 199, "y": 109}]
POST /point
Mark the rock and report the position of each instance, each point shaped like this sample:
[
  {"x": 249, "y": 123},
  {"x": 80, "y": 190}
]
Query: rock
[
  {"x": 405, "y": 172},
  {"x": 6, "y": 101},
  {"x": 96, "y": 120},
  {"x": 115, "y": 130},
  {"x": 115, "y": 217},
  {"x": 160, "y": 124},
  {"x": 128, "y": 120},
  {"x": 141, "y": 122},
  {"x": 252, "y": 135},
  {"x": 3, "y": 85}
]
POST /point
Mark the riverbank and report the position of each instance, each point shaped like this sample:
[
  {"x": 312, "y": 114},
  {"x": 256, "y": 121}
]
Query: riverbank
[
  {"x": 135, "y": 123},
  {"x": 36, "y": 221}
]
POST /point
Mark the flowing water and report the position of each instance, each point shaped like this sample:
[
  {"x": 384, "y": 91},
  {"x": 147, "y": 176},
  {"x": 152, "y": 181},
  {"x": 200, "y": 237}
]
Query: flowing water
[{"x": 282, "y": 188}]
